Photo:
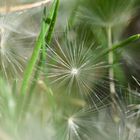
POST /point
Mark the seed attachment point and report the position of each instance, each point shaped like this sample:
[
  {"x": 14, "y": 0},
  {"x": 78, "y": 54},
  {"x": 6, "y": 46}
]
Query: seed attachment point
[{"x": 74, "y": 71}]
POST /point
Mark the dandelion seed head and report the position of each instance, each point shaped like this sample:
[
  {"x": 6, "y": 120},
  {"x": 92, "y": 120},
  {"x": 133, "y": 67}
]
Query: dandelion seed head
[
  {"x": 11, "y": 62},
  {"x": 106, "y": 13},
  {"x": 17, "y": 39},
  {"x": 75, "y": 68},
  {"x": 73, "y": 128}
]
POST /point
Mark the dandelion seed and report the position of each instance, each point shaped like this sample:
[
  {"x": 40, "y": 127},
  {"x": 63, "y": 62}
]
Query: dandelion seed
[
  {"x": 84, "y": 124},
  {"x": 17, "y": 39},
  {"x": 11, "y": 62},
  {"x": 129, "y": 101},
  {"x": 76, "y": 68},
  {"x": 8, "y": 56},
  {"x": 96, "y": 125},
  {"x": 73, "y": 126}
]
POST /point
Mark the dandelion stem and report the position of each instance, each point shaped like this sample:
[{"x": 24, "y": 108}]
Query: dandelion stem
[
  {"x": 111, "y": 61},
  {"x": 113, "y": 94}
]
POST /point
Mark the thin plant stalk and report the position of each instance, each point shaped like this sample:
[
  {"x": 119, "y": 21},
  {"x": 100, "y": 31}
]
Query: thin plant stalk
[
  {"x": 40, "y": 42},
  {"x": 44, "y": 47},
  {"x": 121, "y": 44},
  {"x": 26, "y": 99},
  {"x": 43, "y": 53},
  {"x": 115, "y": 108},
  {"x": 32, "y": 62},
  {"x": 111, "y": 61}
]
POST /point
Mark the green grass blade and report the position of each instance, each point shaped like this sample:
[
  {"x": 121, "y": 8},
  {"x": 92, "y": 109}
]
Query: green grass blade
[
  {"x": 52, "y": 24},
  {"x": 47, "y": 41},
  {"x": 127, "y": 41},
  {"x": 122, "y": 44},
  {"x": 28, "y": 72},
  {"x": 43, "y": 53}
]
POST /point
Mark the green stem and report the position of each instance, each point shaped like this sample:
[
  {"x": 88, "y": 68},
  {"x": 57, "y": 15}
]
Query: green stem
[
  {"x": 122, "y": 44},
  {"x": 110, "y": 62},
  {"x": 29, "y": 71},
  {"x": 43, "y": 53},
  {"x": 127, "y": 41},
  {"x": 45, "y": 27},
  {"x": 31, "y": 63},
  {"x": 46, "y": 30},
  {"x": 113, "y": 94},
  {"x": 40, "y": 42}
]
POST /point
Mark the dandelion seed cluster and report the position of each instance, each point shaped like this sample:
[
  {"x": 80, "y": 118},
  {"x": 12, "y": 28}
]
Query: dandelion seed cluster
[
  {"x": 10, "y": 61},
  {"x": 110, "y": 13},
  {"x": 76, "y": 68},
  {"x": 16, "y": 42}
]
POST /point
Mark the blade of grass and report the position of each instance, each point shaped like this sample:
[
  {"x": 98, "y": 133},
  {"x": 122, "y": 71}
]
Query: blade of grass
[
  {"x": 121, "y": 44},
  {"x": 41, "y": 39},
  {"x": 43, "y": 53},
  {"x": 45, "y": 29},
  {"x": 125, "y": 42},
  {"x": 52, "y": 24},
  {"x": 33, "y": 60},
  {"x": 29, "y": 70},
  {"x": 46, "y": 43}
]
